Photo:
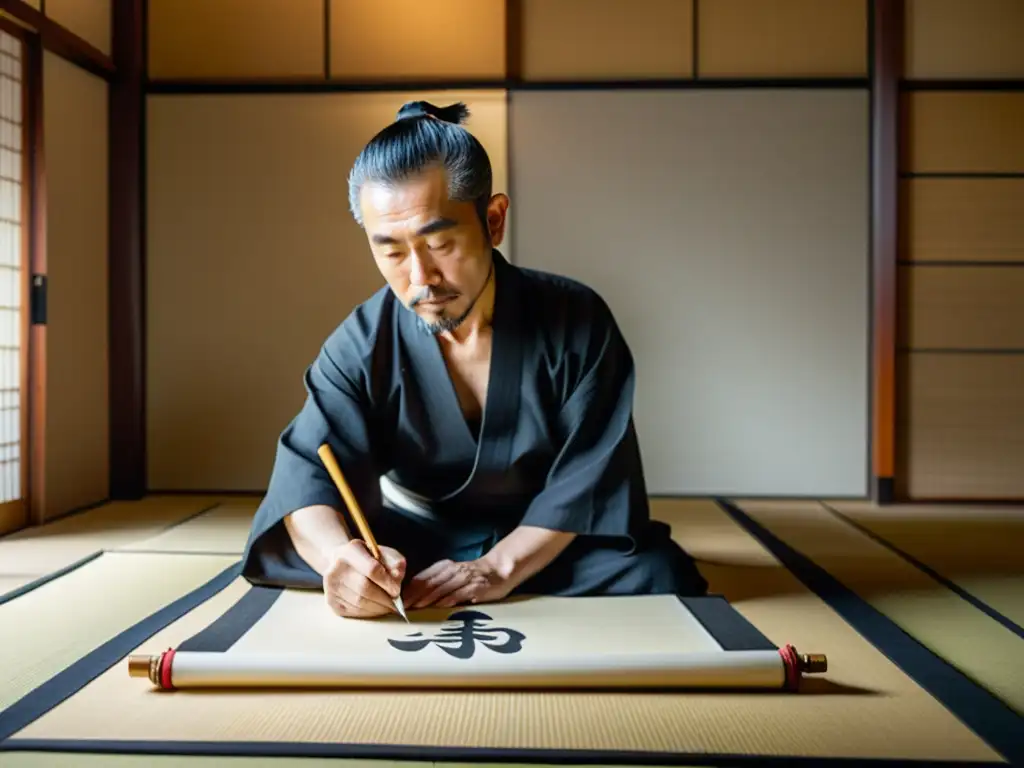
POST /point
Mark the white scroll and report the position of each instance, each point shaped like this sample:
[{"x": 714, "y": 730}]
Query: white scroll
[
  {"x": 698, "y": 669},
  {"x": 611, "y": 642}
]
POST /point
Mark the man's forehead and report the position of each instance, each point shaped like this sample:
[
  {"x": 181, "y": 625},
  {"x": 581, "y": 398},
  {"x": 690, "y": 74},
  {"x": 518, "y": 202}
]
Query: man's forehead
[
  {"x": 405, "y": 200},
  {"x": 410, "y": 209}
]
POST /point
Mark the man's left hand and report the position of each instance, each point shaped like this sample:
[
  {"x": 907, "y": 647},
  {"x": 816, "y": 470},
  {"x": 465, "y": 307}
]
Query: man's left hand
[{"x": 447, "y": 583}]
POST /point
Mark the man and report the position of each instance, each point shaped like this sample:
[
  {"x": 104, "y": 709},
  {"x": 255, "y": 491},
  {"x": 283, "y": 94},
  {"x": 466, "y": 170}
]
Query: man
[{"x": 480, "y": 412}]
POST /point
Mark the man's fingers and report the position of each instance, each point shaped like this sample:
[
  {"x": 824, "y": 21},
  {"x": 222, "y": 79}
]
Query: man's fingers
[
  {"x": 340, "y": 606},
  {"x": 366, "y": 598},
  {"x": 362, "y": 561},
  {"x": 426, "y": 580},
  {"x": 474, "y": 590},
  {"x": 455, "y": 579},
  {"x": 346, "y": 601},
  {"x": 469, "y": 593},
  {"x": 344, "y": 579},
  {"x": 427, "y": 587},
  {"x": 395, "y": 563},
  {"x": 357, "y": 589},
  {"x": 439, "y": 567}
]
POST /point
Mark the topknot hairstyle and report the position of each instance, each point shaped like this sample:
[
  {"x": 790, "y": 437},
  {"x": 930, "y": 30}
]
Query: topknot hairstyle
[{"x": 425, "y": 135}]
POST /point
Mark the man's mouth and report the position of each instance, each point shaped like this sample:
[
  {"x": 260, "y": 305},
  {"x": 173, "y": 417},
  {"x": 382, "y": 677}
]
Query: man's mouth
[{"x": 434, "y": 302}]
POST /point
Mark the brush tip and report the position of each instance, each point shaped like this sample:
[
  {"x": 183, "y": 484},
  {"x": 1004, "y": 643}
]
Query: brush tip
[{"x": 400, "y": 607}]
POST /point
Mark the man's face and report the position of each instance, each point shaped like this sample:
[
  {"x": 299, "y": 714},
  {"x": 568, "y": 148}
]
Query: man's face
[{"x": 433, "y": 252}]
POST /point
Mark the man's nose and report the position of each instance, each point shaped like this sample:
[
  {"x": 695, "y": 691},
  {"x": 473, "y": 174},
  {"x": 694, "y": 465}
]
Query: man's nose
[{"x": 421, "y": 270}]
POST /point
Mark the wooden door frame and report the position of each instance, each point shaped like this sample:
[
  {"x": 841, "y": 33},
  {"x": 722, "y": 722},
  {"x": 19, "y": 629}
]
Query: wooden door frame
[{"x": 39, "y": 33}]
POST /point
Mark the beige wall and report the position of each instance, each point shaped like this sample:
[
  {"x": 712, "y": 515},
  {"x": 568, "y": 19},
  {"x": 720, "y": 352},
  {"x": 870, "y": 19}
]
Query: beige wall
[
  {"x": 77, "y": 412},
  {"x": 253, "y": 259}
]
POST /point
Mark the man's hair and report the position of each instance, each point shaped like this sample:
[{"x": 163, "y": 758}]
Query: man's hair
[{"x": 422, "y": 136}]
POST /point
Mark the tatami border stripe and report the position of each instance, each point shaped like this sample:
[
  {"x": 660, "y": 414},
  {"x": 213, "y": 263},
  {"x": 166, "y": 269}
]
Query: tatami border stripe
[
  {"x": 477, "y": 755},
  {"x": 189, "y": 518},
  {"x": 991, "y": 719},
  {"x": 47, "y": 578},
  {"x": 73, "y": 678},
  {"x": 730, "y": 628},
  {"x": 24, "y": 589},
  {"x": 226, "y": 630},
  {"x": 956, "y": 589}
]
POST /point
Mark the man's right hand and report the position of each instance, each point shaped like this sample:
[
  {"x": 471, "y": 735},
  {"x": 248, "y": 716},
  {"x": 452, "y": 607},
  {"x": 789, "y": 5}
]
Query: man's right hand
[{"x": 357, "y": 586}]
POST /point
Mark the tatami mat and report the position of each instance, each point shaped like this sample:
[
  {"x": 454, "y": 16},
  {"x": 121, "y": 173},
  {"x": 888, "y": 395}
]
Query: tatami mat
[
  {"x": 44, "y": 631},
  {"x": 977, "y": 548},
  {"x": 927, "y": 610},
  {"x": 221, "y": 530},
  {"x": 866, "y": 708},
  {"x": 32, "y": 553}
]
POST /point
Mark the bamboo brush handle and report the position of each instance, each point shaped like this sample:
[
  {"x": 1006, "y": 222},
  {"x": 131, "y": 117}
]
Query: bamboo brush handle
[{"x": 327, "y": 457}]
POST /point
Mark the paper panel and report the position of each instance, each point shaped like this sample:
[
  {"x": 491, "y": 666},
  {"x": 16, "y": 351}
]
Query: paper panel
[
  {"x": 964, "y": 219},
  {"x": 957, "y": 39},
  {"x": 962, "y": 421}
]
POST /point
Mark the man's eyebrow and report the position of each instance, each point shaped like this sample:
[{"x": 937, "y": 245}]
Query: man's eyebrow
[{"x": 436, "y": 225}]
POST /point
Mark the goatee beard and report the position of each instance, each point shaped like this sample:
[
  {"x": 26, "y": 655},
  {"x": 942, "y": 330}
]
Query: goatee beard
[{"x": 444, "y": 324}]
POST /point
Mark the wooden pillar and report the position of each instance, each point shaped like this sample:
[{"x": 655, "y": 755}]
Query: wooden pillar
[
  {"x": 886, "y": 71},
  {"x": 127, "y": 253}
]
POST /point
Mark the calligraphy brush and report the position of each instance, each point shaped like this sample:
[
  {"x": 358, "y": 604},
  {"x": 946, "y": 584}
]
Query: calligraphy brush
[{"x": 327, "y": 457}]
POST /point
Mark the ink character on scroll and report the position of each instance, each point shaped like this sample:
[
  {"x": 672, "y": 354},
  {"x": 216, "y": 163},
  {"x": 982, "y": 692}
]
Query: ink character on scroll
[
  {"x": 461, "y": 640},
  {"x": 481, "y": 412}
]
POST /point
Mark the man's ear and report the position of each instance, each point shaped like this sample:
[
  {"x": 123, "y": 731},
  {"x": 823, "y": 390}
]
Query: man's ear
[{"x": 497, "y": 212}]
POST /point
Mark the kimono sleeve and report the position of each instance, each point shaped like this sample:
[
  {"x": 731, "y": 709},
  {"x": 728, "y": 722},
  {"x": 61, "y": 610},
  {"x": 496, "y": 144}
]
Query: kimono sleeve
[
  {"x": 596, "y": 483},
  {"x": 336, "y": 411}
]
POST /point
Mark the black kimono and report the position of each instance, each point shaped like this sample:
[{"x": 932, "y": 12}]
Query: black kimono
[{"x": 557, "y": 447}]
